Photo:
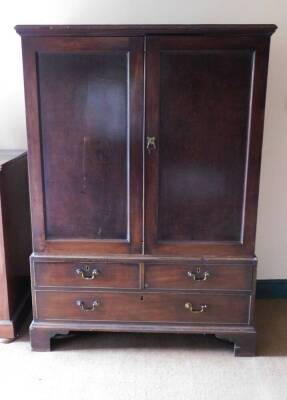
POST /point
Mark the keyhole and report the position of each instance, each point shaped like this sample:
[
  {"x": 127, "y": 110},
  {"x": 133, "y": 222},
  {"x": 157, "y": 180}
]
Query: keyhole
[{"x": 142, "y": 298}]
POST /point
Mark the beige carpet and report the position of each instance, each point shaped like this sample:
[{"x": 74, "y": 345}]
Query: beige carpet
[{"x": 110, "y": 366}]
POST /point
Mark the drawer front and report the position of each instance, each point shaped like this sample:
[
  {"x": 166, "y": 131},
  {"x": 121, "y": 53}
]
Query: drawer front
[
  {"x": 225, "y": 277},
  {"x": 98, "y": 275},
  {"x": 142, "y": 307}
]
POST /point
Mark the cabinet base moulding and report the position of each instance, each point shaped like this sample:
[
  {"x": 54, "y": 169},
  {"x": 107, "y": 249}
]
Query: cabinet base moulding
[
  {"x": 244, "y": 343},
  {"x": 9, "y": 328},
  {"x": 243, "y": 337}
]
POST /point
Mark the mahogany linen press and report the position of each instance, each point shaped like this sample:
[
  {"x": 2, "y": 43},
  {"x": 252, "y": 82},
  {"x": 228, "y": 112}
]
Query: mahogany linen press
[{"x": 144, "y": 146}]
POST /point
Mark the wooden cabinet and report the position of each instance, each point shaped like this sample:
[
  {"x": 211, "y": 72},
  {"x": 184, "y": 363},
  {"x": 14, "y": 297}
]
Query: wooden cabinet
[
  {"x": 144, "y": 162},
  {"x": 15, "y": 242}
]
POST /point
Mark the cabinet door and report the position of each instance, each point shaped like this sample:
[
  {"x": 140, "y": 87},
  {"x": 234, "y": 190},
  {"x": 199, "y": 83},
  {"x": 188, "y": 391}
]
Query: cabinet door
[
  {"x": 205, "y": 108},
  {"x": 84, "y": 105}
]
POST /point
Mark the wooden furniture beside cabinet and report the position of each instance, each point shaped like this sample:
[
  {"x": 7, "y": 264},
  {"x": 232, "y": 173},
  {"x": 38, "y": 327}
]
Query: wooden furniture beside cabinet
[
  {"x": 144, "y": 162},
  {"x": 15, "y": 242}
]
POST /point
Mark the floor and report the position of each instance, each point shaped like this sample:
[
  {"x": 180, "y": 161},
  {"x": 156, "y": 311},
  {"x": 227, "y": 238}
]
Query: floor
[{"x": 109, "y": 366}]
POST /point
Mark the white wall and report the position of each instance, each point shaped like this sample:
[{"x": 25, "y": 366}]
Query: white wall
[{"x": 271, "y": 246}]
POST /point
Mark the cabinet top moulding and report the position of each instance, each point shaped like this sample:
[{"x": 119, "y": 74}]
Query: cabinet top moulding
[{"x": 142, "y": 30}]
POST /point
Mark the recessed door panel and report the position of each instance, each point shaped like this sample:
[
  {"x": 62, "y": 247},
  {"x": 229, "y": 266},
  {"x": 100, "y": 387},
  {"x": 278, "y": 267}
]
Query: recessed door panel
[
  {"x": 202, "y": 144},
  {"x": 84, "y": 119}
]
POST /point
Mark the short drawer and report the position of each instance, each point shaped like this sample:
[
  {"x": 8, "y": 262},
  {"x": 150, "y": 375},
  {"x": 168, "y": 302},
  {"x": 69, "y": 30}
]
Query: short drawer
[
  {"x": 139, "y": 307},
  {"x": 221, "y": 277},
  {"x": 89, "y": 274}
]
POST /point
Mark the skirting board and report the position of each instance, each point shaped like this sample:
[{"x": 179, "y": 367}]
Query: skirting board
[{"x": 271, "y": 289}]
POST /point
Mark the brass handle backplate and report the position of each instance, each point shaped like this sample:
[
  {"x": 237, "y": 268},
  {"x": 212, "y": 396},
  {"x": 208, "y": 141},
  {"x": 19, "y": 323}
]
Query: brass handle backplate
[
  {"x": 86, "y": 273},
  {"x": 197, "y": 276},
  {"x": 191, "y": 308},
  {"x": 82, "y": 306},
  {"x": 150, "y": 143}
]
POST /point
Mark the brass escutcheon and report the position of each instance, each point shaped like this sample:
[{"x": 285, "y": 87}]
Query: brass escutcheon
[{"x": 150, "y": 143}]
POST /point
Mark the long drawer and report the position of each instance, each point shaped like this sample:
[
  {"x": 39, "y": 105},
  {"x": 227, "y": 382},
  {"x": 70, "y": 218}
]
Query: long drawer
[
  {"x": 142, "y": 307},
  {"x": 86, "y": 274},
  {"x": 221, "y": 277}
]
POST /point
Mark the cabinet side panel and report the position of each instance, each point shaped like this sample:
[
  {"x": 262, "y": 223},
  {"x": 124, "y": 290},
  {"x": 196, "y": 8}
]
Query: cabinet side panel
[
  {"x": 16, "y": 231},
  {"x": 4, "y": 310}
]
